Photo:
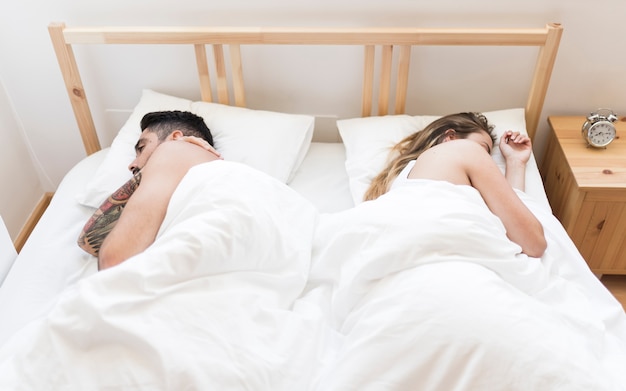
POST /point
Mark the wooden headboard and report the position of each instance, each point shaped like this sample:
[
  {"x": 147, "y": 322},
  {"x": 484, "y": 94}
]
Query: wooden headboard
[{"x": 389, "y": 40}]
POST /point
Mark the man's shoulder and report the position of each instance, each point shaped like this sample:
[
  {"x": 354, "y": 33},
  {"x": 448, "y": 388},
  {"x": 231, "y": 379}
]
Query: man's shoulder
[
  {"x": 176, "y": 157},
  {"x": 179, "y": 145},
  {"x": 182, "y": 151}
]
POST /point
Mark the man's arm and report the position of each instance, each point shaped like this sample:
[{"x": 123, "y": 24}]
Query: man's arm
[
  {"x": 144, "y": 212},
  {"x": 104, "y": 219}
]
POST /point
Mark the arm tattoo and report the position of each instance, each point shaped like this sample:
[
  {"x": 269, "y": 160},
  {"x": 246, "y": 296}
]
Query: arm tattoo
[{"x": 105, "y": 218}]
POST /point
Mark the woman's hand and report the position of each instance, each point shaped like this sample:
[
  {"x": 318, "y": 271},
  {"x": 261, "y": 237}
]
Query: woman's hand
[
  {"x": 201, "y": 143},
  {"x": 515, "y": 147}
]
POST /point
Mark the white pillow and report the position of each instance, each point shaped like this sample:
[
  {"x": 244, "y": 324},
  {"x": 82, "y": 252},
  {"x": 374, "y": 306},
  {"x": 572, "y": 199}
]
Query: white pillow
[
  {"x": 368, "y": 141},
  {"x": 272, "y": 142}
]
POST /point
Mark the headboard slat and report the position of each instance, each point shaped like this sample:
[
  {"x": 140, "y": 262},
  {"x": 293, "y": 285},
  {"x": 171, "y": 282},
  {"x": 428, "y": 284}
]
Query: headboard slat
[
  {"x": 237, "y": 75},
  {"x": 220, "y": 69},
  {"x": 385, "y": 80},
  {"x": 203, "y": 73},
  {"x": 368, "y": 81},
  {"x": 402, "y": 82}
]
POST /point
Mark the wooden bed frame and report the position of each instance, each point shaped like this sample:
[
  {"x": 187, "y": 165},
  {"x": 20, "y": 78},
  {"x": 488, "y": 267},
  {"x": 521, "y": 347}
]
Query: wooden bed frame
[{"x": 389, "y": 39}]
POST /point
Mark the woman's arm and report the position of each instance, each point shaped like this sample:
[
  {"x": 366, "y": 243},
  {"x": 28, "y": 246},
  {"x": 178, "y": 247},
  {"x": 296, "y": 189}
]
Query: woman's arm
[
  {"x": 516, "y": 149},
  {"x": 521, "y": 225}
]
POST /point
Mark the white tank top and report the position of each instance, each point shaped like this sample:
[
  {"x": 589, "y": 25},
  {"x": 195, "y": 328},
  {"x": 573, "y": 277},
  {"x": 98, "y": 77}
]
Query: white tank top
[{"x": 403, "y": 179}]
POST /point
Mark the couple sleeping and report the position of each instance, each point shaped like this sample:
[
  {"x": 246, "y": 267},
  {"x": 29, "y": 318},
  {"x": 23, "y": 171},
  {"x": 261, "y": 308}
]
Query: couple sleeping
[
  {"x": 214, "y": 275},
  {"x": 463, "y": 162}
]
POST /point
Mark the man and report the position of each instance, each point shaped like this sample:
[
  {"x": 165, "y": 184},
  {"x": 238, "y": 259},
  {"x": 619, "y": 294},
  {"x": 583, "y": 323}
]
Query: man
[{"x": 157, "y": 170}]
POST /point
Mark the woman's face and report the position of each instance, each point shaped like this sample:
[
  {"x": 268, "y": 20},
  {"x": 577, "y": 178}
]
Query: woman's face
[{"x": 483, "y": 138}]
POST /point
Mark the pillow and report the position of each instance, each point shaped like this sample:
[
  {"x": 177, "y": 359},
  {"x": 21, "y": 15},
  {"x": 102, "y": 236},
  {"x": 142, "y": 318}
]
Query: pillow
[
  {"x": 272, "y": 142},
  {"x": 368, "y": 141}
]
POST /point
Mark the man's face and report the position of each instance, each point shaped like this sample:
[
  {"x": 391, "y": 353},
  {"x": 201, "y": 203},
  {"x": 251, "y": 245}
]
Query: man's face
[{"x": 147, "y": 143}]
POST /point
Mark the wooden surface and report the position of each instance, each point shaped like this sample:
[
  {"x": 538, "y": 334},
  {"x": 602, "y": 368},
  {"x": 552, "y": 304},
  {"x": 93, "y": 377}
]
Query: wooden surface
[
  {"x": 593, "y": 168},
  {"x": 617, "y": 286},
  {"x": 75, "y": 89},
  {"x": 587, "y": 191},
  {"x": 387, "y": 40},
  {"x": 34, "y": 217}
]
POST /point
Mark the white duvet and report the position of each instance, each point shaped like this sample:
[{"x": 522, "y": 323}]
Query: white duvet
[
  {"x": 206, "y": 307},
  {"x": 427, "y": 293},
  {"x": 418, "y": 290}
]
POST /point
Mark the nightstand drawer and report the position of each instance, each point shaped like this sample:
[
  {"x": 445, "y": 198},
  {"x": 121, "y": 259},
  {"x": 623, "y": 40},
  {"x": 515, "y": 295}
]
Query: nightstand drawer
[
  {"x": 600, "y": 232},
  {"x": 586, "y": 188}
]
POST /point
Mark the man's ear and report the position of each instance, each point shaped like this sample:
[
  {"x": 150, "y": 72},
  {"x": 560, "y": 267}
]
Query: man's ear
[
  {"x": 175, "y": 135},
  {"x": 449, "y": 135}
]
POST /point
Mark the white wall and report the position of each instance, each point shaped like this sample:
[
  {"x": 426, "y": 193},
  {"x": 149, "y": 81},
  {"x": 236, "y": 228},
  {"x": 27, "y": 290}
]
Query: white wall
[
  {"x": 590, "y": 71},
  {"x": 21, "y": 186}
]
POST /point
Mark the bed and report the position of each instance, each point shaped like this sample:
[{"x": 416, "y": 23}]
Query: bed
[{"x": 334, "y": 294}]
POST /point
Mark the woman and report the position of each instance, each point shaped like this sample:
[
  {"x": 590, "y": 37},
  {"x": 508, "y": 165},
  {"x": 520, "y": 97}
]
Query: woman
[{"x": 457, "y": 148}]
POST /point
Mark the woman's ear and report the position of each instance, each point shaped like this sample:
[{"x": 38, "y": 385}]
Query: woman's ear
[{"x": 449, "y": 135}]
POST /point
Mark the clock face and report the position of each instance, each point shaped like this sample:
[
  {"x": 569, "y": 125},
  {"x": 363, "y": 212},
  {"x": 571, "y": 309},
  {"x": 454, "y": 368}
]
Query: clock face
[{"x": 601, "y": 133}]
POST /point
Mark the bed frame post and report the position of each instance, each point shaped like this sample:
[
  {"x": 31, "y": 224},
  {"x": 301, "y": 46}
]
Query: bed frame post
[
  {"x": 74, "y": 86},
  {"x": 541, "y": 77}
]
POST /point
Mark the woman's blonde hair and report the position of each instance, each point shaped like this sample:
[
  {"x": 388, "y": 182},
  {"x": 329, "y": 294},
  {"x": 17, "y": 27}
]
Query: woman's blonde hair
[{"x": 411, "y": 147}]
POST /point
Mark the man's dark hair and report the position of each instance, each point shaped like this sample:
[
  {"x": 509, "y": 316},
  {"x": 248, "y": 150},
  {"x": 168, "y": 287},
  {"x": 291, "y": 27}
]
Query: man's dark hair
[{"x": 163, "y": 123}]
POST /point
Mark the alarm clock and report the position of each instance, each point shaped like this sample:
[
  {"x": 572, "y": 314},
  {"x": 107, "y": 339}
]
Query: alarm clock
[{"x": 598, "y": 131}]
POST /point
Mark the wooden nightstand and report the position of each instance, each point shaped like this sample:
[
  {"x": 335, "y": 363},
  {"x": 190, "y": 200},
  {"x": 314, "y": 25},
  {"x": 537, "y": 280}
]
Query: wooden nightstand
[{"x": 586, "y": 188}]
